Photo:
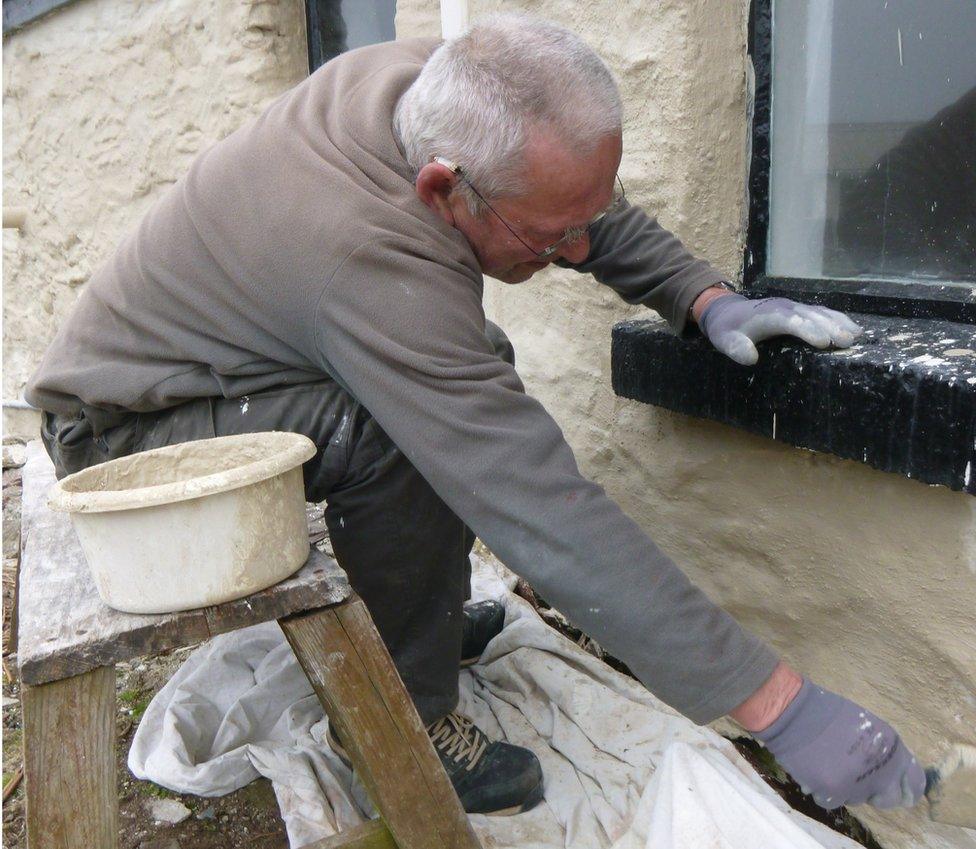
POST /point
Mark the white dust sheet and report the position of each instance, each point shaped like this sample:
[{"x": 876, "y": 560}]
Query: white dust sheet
[{"x": 622, "y": 769}]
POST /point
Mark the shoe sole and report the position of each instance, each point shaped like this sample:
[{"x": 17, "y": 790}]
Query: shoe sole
[{"x": 535, "y": 796}]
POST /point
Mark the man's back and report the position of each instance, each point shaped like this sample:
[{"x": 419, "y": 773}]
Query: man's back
[{"x": 214, "y": 293}]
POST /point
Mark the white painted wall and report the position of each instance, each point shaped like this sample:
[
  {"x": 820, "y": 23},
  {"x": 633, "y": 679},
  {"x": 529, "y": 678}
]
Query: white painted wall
[
  {"x": 863, "y": 579},
  {"x": 105, "y": 104}
]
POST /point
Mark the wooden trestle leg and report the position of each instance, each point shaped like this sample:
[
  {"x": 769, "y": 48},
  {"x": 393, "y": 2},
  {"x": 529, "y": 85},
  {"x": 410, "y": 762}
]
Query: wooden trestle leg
[
  {"x": 69, "y": 762},
  {"x": 354, "y": 677}
]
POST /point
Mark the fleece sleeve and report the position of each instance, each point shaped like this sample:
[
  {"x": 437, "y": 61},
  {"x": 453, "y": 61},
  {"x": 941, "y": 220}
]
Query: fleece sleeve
[
  {"x": 645, "y": 264},
  {"x": 406, "y": 335}
]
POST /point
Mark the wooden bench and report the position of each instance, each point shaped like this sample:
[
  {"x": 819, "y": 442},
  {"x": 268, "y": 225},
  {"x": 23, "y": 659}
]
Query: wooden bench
[{"x": 69, "y": 642}]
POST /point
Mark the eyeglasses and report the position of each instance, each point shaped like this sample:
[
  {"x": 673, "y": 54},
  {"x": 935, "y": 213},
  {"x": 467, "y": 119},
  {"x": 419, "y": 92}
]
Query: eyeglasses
[{"x": 572, "y": 234}]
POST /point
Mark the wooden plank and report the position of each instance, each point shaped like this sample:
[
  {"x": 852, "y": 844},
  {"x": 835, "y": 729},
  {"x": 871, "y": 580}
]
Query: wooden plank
[
  {"x": 66, "y": 629},
  {"x": 354, "y": 677},
  {"x": 370, "y": 835},
  {"x": 69, "y": 762}
]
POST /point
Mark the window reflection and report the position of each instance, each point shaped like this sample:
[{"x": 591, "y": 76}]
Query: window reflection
[{"x": 913, "y": 212}]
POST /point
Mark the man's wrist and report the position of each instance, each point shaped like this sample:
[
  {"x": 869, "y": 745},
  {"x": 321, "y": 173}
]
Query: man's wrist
[
  {"x": 706, "y": 297},
  {"x": 766, "y": 705}
]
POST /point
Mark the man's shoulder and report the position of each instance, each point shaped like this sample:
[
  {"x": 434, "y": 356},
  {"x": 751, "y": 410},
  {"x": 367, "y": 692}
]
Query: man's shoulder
[{"x": 374, "y": 57}]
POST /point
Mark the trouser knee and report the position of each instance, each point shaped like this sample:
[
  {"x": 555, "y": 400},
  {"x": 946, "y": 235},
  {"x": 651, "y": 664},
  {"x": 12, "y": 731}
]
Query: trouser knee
[{"x": 501, "y": 342}]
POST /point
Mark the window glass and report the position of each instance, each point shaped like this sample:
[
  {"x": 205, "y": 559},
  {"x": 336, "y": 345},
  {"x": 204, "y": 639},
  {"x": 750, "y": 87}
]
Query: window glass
[
  {"x": 336, "y": 26},
  {"x": 368, "y": 21},
  {"x": 873, "y": 140}
]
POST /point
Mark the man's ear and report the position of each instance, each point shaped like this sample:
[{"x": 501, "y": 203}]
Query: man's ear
[{"x": 434, "y": 185}]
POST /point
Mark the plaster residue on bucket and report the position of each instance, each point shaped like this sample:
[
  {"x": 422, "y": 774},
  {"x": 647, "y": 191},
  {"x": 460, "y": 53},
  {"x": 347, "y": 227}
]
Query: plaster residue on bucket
[
  {"x": 277, "y": 512},
  {"x": 180, "y": 472},
  {"x": 181, "y": 463},
  {"x": 192, "y": 524}
]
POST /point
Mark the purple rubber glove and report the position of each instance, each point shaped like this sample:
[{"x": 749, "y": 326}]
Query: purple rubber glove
[
  {"x": 733, "y": 324},
  {"x": 841, "y": 753}
]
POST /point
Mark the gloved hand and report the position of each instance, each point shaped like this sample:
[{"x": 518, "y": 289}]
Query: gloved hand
[
  {"x": 733, "y": 324},
  {"x": 842, "y": 753}
]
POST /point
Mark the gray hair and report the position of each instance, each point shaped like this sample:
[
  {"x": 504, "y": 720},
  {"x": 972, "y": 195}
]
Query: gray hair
[{"x": 479, "y": 95}]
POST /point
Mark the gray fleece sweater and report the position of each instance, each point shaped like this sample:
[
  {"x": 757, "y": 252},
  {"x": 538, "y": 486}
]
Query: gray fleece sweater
[{"x": 296, "y": 247}]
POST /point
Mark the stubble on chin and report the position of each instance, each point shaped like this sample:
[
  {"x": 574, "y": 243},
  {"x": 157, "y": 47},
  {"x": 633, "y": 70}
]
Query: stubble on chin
[{"x": 516, "y": 274}]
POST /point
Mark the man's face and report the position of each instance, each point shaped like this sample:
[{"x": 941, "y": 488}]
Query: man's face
[{"x": 562, "y": 191}]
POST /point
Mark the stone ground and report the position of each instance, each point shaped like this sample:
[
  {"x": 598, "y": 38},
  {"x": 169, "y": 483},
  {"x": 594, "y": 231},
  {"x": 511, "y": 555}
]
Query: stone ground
[{"x": 250, "y": 816}]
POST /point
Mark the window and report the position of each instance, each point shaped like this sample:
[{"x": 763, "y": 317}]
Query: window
[
  {"x": 862, "y": 197},
  {"x": 865, "y": 151},
  {"x": 335, "y": 26},
  {"x": 19, "y": 13}
]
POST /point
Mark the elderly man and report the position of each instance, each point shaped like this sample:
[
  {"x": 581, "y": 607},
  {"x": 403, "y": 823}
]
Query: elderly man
[{"x": 320, "y": 271}]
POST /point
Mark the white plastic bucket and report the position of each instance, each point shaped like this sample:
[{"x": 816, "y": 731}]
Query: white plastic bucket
[{"x": 193, "y": 524}]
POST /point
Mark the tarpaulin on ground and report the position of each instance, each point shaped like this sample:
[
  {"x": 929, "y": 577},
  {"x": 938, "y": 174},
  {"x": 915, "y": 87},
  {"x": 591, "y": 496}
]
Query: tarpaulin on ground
[{"x": 622, "y": 770}]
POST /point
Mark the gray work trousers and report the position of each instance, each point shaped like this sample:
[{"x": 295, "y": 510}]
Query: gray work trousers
[{"x": 405, "y": 552}]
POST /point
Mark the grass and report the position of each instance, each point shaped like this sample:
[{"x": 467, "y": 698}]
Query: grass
[
  {"x": 147, "y": 788},
  {"x": 136, "y": 702}
]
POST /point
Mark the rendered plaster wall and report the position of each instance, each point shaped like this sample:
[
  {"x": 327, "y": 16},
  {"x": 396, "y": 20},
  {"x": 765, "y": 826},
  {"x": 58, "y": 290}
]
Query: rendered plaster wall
[
  {"x": 864, "y": 580},
  {"x": 104, "y": 106}
]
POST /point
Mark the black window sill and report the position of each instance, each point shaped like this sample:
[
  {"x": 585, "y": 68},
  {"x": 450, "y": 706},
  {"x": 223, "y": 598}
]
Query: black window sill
[{"x": 902, "y": 400}]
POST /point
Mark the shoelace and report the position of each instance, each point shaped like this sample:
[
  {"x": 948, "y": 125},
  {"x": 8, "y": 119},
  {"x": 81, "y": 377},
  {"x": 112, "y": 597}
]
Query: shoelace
[{"x": 459, "y": 738}]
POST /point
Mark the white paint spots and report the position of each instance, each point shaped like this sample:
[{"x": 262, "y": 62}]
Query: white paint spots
[
  {"x": 866, "y": 724},
  {"x": 342, "y": 521},
  {"x": 968, "y": 475},
  {"x": 245, "y": 403},
  {"x": 927, "y": 360}
]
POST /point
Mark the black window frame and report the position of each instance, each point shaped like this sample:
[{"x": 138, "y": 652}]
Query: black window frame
[{"x": 950, "y": 301}]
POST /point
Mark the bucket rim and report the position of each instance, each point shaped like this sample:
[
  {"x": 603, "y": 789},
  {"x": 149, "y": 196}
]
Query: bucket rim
[{"x": 286, "y": 451}]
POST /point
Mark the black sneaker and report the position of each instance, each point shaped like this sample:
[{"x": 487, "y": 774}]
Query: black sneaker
[
  {"x": 482, "y": 622},
  {"x": 489, "y": 777}
]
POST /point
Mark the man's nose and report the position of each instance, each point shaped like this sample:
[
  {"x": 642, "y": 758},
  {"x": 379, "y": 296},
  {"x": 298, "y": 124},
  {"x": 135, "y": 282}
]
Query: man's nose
[{"x": 577, "y": 250}]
